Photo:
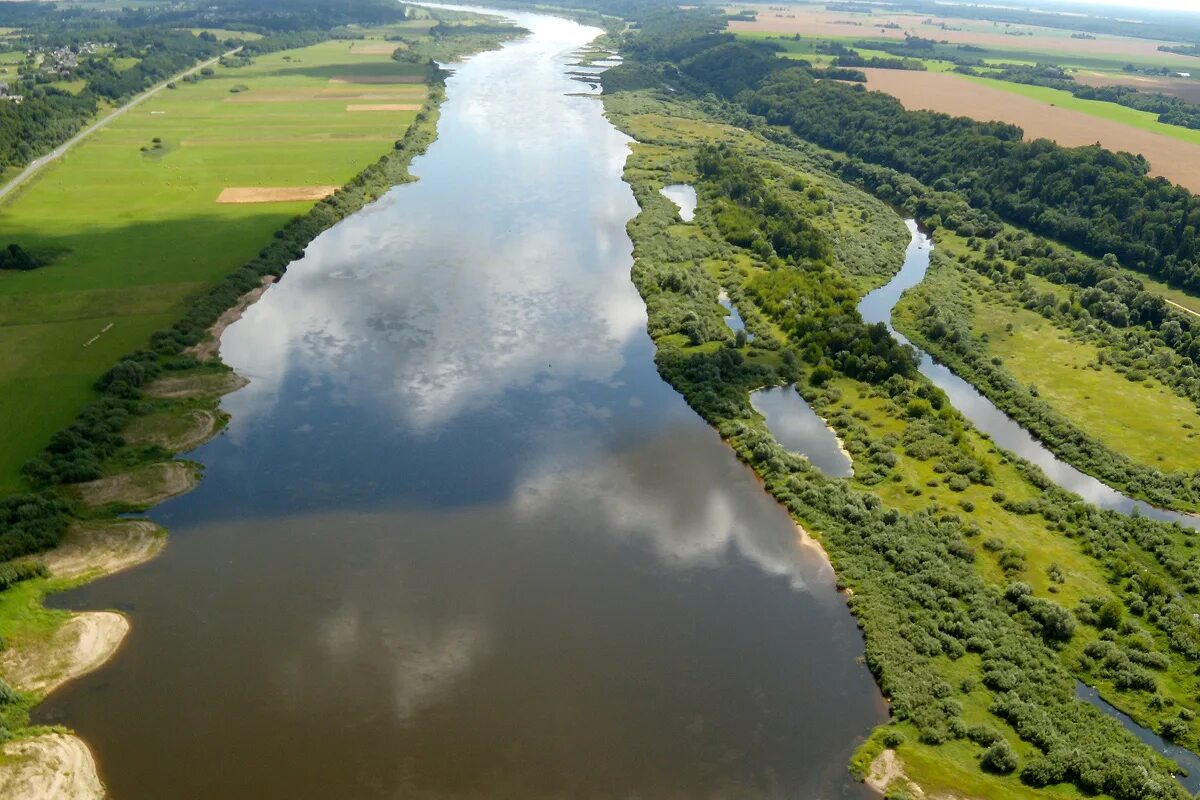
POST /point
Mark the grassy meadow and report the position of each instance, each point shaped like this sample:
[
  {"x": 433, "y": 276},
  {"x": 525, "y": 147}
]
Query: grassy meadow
[
  {"x": 1144, "y": 420},
  {"x": 131, "y": 222}
]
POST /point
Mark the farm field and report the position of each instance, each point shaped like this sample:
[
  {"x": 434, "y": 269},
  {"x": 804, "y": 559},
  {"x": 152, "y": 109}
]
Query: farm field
[
  {"x": 1169, "y": 156},
  {"x": 132, "y": 221},
  {"x": 817, "y": 21},
  {"x": 1184, "y": 88}
]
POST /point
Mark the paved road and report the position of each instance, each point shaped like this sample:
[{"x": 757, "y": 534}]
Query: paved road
[{"x": 57, "y": 152}]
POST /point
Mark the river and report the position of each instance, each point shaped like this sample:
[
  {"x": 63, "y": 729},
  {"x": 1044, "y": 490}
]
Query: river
[{"x": 459, "y": 539}]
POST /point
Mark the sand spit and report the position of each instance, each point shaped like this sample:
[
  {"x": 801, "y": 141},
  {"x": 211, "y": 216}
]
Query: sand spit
[
  {"x": 176, "y": 387},
  {"x": 94, "y": 549},
  {"x": 145, "y": 486},
  {"x": 86, "y": 641},
  {"x": 53, "y": 766}
]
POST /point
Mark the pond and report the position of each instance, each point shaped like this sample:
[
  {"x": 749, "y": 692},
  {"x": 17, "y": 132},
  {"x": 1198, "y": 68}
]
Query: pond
[
  {"x": 798, "y": 428},
  {"x": 733, "y": 319},
  {"x": 683, "y": 195}
]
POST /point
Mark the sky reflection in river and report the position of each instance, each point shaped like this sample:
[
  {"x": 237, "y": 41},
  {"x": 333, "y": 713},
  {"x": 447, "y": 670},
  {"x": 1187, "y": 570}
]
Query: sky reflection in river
[{"x": 460, "y": 540}]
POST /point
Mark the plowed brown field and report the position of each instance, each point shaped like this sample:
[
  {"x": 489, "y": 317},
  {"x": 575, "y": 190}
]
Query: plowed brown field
[{"x": 1174, "y": 159}]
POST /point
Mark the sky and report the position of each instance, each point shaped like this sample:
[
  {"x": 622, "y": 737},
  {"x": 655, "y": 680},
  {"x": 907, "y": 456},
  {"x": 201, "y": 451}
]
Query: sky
[{"x": 1173, "y": 5}]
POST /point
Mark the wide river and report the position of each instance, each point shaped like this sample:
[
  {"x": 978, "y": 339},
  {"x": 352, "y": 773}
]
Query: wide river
[{"x": 460, "y": 540}]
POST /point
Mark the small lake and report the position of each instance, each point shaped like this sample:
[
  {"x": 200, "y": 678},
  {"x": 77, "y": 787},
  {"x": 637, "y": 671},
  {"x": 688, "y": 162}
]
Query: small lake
[
  {"x": 877, "y": 307},
  {"x": 798, "y": 428},
  {"x": 683, "y": 195},
  {"x": 460, "y": 540}
]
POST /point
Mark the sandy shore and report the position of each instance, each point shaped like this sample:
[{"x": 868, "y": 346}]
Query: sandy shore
[
  {"x": 95, "y": 549},
  {"x": 54, "y": 766},
  {"x": 77, "y": 647},
  {"x": 57, "y": 765}
]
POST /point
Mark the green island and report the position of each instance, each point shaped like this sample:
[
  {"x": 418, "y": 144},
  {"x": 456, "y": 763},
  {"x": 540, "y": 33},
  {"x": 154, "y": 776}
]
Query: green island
[{"x": 984, "y": 592}]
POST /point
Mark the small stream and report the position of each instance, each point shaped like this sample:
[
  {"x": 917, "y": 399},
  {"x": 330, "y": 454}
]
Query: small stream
[
  {"x": 1188, "y": 761},
  {"x": 877, "y": 306}
]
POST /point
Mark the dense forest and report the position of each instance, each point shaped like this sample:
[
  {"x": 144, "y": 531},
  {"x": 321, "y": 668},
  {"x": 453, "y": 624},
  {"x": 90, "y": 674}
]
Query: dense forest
[
  {"x": 1087, "y": 197},
  {"x": 917, "y": 588}
]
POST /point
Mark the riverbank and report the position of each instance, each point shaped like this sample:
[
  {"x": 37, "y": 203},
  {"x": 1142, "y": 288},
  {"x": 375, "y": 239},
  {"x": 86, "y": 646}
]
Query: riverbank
[
  {"x": 45, "y": 649},
  {"x": 933, "y": 503}
]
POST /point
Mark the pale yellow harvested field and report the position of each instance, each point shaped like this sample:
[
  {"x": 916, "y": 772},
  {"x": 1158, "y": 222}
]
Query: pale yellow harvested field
[
  {"x": 820, "y": 22},
  {"x": 1174, "y": 159},
  {"x": 377, "y": 79},
  {"x": 383, "y": 107},
  {"x": 273, "y": 194}
]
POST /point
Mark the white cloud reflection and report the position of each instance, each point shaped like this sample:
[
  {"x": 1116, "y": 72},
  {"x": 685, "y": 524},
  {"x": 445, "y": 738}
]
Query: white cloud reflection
[{"x": 505, "y": 266}]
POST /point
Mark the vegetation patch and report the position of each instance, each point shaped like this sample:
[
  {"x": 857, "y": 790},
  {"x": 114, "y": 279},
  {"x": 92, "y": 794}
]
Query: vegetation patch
[{"x": 140, "y": 488}]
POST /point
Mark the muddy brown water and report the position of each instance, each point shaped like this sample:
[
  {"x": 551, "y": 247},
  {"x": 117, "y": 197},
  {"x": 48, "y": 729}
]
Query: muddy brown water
[{"x": 460, "y": 540}]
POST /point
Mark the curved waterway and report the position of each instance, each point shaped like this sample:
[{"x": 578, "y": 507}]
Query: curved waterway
[
  {"x": 877, "y": 307},
  {"x": 459, "y": 539}
]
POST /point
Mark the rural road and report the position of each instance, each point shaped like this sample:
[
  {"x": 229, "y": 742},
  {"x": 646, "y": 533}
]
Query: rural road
[
  {"x": 1184, "y": 309},
  {"x": 57, "y": 152}
]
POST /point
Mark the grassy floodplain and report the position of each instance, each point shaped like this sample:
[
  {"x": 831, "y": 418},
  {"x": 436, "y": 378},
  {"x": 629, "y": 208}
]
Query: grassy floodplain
[
  {"x": 1144, "y": 420},
  {"x": 680, "y": 268},
  {"x": 134, "y": 227}
]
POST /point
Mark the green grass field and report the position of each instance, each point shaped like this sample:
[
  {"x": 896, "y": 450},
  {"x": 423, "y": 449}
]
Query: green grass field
[
  {"x": 1144, "y": 120},
  {"x": 139, "y": 233},
  {"x": 1145, "y": 420}
]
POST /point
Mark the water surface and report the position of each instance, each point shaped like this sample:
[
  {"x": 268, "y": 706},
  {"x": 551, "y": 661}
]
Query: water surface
[
  {"x": 733, "y": 320},
  {"x": 460, "y": 540},
  {"x": 683, "y": 195},
  {"x": 797, "y": 427}
]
